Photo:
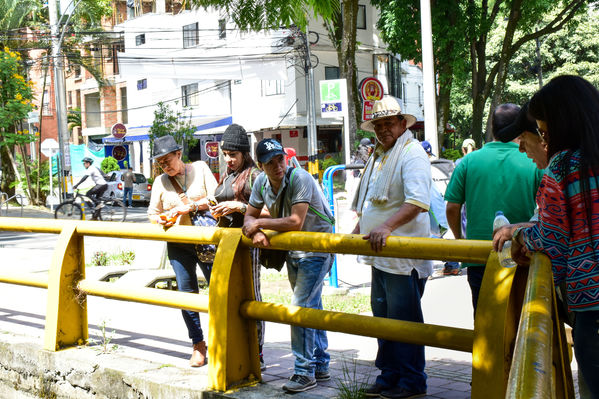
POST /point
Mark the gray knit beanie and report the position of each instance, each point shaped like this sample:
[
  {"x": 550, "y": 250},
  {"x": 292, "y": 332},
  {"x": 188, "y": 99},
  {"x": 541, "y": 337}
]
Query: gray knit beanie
[{"x": 235, "y": 138}]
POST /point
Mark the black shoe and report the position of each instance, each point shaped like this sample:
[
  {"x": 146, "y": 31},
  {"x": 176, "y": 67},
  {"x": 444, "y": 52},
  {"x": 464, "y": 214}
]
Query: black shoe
[
  {"x": 322, "y": 376},
  {"x": 374, "y": 391},
  {"x": 299, "y": 383},
  {"x": 400, "y": 393}
]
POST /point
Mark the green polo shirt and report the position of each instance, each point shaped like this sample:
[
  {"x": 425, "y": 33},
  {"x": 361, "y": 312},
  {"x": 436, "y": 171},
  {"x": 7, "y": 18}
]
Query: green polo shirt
[{"x": 498, "y": 177}]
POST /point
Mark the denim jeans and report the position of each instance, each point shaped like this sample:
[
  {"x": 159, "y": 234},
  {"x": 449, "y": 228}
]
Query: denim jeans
[
  {"x": 475, "y": 280},
  {"x": 183, "y": 259},
  {"x": 306, "y": 276},
  {"x": 586, "y": 347},
  {"x": 398, "y": 297},
  {"x": 128, "y": 196}
]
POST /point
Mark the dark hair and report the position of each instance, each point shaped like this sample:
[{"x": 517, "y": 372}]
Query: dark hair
[
  {"x": 569, "y": 105},
  {"x": 503, "y": 115},
  {"x": 244, "y": 173}
]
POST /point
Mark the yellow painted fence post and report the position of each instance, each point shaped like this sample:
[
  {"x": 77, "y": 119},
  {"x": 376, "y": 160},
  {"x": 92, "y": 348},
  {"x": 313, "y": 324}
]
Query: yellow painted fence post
[
  {"x": 66, "y": 313},
  {"x": 233, "y": 340}
]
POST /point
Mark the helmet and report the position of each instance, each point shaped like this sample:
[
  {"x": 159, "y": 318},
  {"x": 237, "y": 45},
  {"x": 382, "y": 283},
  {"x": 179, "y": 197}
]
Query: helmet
[{"x": 87, "y": 159}]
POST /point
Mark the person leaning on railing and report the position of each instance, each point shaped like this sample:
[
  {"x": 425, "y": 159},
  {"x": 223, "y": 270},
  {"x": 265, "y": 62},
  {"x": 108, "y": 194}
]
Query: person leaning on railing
[
  {"x": 232, "y": 196},
  {"x": 567, "y": 115},
  {"x": 167, "y": 207}
]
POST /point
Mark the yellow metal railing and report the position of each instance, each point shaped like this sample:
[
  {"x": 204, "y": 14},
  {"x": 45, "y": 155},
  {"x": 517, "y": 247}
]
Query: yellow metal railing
[
  {"x": 538, "y": 369},
  {"x": 233, "y": 309}
]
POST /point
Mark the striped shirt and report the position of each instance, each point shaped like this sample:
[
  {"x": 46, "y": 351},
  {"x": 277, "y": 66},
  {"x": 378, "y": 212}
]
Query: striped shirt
[{"x": 563, "y": 232}]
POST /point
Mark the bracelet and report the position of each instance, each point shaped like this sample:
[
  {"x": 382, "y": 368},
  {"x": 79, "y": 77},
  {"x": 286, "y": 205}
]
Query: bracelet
[{"x": 243, "y": 209}]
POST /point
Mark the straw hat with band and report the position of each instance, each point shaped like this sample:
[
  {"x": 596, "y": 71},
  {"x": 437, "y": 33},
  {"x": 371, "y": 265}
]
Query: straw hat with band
[{"x": 384, "y": 108}]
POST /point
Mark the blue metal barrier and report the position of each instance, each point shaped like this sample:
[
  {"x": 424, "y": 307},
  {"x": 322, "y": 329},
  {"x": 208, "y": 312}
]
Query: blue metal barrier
[{"x": 327, "y": 184}]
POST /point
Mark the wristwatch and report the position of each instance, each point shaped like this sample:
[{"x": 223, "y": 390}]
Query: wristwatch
[{"x": 244, "y": 208}]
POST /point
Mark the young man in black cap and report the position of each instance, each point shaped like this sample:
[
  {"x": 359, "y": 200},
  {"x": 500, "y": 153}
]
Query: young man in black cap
[{"x": 295, "y": 203}]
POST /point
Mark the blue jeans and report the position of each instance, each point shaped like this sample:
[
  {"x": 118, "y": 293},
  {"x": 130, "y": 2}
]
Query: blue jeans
[
  {"x": 306, "y": 276},
  {"x": 586, "y": 347},
  {"x": 128, "y": 196},
  {"x": 398, "y": 297},
  {"x": 183, "y": 259},
  {"x": 475, "y": 280}
]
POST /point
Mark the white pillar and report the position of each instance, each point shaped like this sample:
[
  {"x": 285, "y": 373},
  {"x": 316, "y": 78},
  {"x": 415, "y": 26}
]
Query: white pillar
[{"x": 428, "y": 77}]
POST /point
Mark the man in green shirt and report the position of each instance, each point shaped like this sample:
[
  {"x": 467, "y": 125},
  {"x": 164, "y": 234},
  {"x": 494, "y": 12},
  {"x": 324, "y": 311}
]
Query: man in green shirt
[{"x": 495, "y": 178}]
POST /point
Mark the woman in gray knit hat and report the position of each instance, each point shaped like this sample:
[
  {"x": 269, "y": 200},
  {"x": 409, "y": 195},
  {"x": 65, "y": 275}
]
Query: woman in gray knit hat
[{"x": 233, "y": 195}]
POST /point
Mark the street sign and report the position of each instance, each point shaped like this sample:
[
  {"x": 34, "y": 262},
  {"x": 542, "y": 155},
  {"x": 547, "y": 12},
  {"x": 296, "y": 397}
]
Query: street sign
[
  {"x": 49, "y": 147},
  {"x": 333, "y": 98},
  {"x": 367, "y": 110},
  {"x": 33, "y": 117},
  {"x": 211, "y": 148},
  {"x": 119, "y": 130},
  {"x": 371, "y": 89},
  {"x": 119, "y": 152}
]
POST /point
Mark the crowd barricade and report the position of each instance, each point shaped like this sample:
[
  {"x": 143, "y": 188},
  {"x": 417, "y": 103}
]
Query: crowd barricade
[{"x": 517, "y": 343}]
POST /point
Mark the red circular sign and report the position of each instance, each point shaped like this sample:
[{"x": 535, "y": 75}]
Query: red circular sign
[
  {"x": 119, "y": 130},
  {"x": 371, "y": 89},
  {"x": 119, "y": 152},
  {"x": 211, "y": 149}
]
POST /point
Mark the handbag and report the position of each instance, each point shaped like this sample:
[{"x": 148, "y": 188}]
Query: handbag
[{"x": 205, "y": 252}]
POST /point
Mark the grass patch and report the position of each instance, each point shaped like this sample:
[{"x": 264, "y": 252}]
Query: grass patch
[{"x": 350, "y": 303}]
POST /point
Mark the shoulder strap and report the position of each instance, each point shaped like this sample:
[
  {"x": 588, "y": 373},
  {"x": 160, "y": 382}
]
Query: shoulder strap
[
  {"x": 179, "y": 190},
  {"x": 319, "y": 214}
]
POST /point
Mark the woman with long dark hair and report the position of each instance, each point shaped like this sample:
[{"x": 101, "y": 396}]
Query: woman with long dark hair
[
  {"x": 233, "y": 194},
  {"x": 567, "y": 115}
]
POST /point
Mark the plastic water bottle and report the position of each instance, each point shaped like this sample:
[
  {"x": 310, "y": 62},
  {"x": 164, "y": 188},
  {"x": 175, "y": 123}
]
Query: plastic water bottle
[{"x": 505, "y": 256}]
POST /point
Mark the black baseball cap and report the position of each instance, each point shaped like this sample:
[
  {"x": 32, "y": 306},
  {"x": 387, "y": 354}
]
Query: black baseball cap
[
  {"x": 267, "y": 149},
  {"x": 523, "y": 123}
]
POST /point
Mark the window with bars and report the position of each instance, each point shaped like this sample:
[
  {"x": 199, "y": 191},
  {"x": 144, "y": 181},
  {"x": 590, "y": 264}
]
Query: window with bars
[
  {"x": 272, "y": 87},
  {"x": 140, "y": 39},
  {"x": 222, "y": 29},
  {"x": 190, "y": 95},
  {"x": 394, "y": 76},
  {"x": 191, "y": 36}
]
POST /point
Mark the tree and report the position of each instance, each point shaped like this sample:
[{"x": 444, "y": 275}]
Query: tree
[
  {"x": 15, "y": 103},
  {"x": 464, "y": 34},
  {"x": 399, "y": 23},
  {"x": 166, "y": 121}
]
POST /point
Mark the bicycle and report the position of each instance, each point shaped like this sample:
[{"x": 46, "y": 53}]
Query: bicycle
[{"x": 107, "y": 209}]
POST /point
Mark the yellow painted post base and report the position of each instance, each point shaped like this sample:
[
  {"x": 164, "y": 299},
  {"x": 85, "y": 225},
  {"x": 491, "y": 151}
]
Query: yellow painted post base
[
  {"x": 233, "y": 340},
  {"x": 66, "y": 313}
]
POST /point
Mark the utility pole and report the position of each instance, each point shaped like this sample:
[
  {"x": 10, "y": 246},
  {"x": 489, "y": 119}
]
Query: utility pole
[
  {"x": 60, "y": 100},
  {"x": 310, "y": 108},
  {"x": 428, "y": 77}
]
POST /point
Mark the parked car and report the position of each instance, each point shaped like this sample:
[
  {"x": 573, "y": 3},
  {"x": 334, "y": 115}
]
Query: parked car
[{"x": 141, "y": 188}]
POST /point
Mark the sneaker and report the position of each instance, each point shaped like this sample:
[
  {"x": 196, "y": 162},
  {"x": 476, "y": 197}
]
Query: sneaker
[
  {"x": 401, "y": 393},
  {"x": 374, "y": 391},
  {"x": 299, "y": 383},
  {"x": 322, "y": 376},
  {"x": 262, "y": 364}
]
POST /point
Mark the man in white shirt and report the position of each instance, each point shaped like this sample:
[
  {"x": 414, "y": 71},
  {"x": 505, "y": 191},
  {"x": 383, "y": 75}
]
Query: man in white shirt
[{"x": 393, "y": 198}]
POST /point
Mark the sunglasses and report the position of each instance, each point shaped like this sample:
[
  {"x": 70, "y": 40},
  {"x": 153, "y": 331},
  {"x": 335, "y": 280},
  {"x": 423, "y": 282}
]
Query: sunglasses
[{"x": 542, "y": 133}]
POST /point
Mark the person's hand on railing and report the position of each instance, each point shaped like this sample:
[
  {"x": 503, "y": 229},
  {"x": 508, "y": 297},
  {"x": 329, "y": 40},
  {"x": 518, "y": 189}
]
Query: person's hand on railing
[{"x": 260, "y": 239}]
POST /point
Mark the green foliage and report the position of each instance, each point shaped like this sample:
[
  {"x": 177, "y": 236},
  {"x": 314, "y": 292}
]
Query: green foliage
[
  {"x": 44, "y": 177},
  {"x": 99, "y": 258},
  {"x": 167, "y": 121},
  {"x": 352, "y": 384},
  {"x": 323, "y": 164},
  {"x": 16, "y": 98},
  {"x": 255, "y": 15},
  {"x": 451, "y": 154},
  {"x": 74, "y": 118},
  {"x": 109, "y": 164},
  {"x": 103, "y": 258},
  {"x": 360, "y": 134}
]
